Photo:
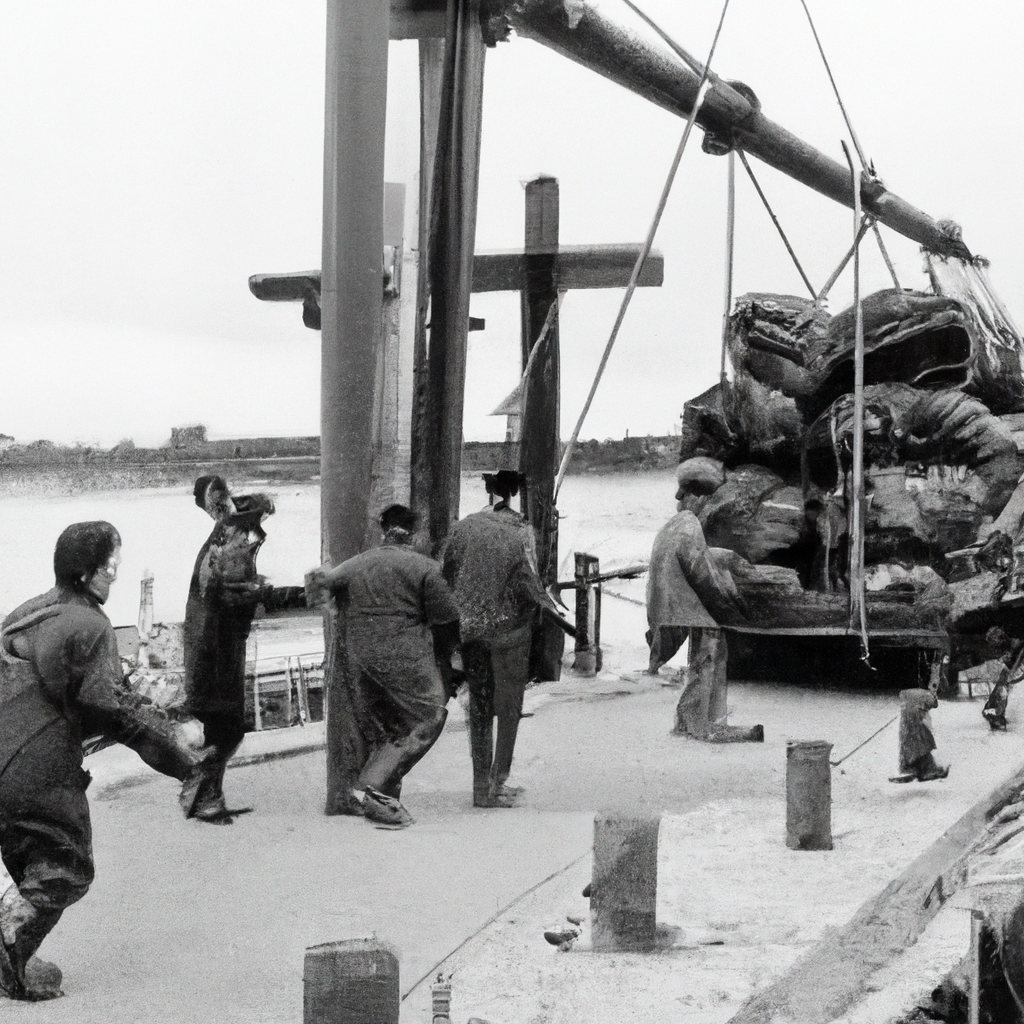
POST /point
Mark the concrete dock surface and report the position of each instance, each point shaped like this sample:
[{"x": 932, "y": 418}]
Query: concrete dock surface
[{"x": 191, "y": 922}]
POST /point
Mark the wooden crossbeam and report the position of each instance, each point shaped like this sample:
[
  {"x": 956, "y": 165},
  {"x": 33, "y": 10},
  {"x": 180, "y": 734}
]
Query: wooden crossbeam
[{"x": 576, "y": 266}]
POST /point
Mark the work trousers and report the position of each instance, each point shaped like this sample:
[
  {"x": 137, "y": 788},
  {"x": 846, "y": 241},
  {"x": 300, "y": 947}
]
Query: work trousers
[
  {"x": 45, "y": 831},
  {"x": 409, "y": 723},
  {"x": 497, "y": 669},
  {"x": 703, "y": 703}
]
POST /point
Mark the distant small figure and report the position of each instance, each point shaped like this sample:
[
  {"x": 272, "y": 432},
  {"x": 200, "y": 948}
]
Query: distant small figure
[
  {"x": 400, "y": 628},
  {"x": 916, "y": 739},
  {"x": 489, "y": 563},
  {"x": 222, "y": 598}
]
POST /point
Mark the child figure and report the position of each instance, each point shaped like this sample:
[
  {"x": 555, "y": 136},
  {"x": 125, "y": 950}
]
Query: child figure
[{"x": 916, "y": 739}]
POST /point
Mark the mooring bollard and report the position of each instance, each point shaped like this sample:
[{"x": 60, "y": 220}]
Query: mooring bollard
[
  {"x": 625, "y": 883},
  {"x": 587, "y": 660},
  {"x": 351, "y": 982},
  {"x": 808, "y": 795}
]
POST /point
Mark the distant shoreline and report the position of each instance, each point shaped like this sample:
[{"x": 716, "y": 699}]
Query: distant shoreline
[{"x": 56, "y": 470}]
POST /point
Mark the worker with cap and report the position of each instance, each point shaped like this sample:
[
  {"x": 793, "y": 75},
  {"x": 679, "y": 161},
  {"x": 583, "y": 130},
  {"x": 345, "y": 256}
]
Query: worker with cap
[
  {"x": 223, "y": 594},
  {"x": 689, "y": 593},
  {"x": 490, "y": 563},
  {"x": 397, "y": 629}
]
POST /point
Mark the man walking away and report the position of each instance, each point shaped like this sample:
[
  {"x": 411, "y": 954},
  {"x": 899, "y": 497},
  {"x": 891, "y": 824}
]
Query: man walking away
[{"x": 488, "y": 563}]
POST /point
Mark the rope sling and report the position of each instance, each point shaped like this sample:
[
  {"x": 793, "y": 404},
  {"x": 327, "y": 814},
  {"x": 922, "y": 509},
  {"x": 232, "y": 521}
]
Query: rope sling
[{"x": 644, "y": 252}]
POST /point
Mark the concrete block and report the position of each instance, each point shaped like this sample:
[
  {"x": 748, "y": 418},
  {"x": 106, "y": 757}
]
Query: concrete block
[
  {"x": 354, "y": 981},
  {"x": 625, "y": 882}
]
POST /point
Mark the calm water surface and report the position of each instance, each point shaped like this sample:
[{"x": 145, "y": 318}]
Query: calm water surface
[{"x": 613, "y": 517}]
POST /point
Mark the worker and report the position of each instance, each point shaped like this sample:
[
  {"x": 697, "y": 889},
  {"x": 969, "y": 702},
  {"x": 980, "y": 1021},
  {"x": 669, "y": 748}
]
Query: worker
[
  {"x": 685, "y": 585},
  {"x": 61, "y": 684},
  {"x": 916, "y": 741},
  {"x": 398, "y": 624},
  {"x": 223, "y": 594},
  {"x": 489, "y": 563}
]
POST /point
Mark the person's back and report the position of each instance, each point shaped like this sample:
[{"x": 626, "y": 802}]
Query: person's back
[{"x": 488, "y": 568}]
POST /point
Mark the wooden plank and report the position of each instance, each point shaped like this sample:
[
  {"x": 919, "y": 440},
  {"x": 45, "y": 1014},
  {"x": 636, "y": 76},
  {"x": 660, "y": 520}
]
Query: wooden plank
[
  {"x": 578, "y": 266},
  {"x": 828, "y": 979}
]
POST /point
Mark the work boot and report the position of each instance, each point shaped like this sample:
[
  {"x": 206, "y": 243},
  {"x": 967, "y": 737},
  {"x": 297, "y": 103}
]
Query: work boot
[
  {"x": 736, "y": 734},
  {"x": 385, "y": 810},
  {"x": 23, "y": 927},
  {"x": 928, "y": 769},
  {"x": 208, "y": 803}
]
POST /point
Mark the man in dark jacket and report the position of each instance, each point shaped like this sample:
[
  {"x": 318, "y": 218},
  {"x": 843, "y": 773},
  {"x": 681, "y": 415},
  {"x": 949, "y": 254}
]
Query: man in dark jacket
[
  {"x": 222, "y": 598},
  {"x": 398, "y": 626},
  {"x": 60, "y": 683},
  {"x": 489, "y": 563}
]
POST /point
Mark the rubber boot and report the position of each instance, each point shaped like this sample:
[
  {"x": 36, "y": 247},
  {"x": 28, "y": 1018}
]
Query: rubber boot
[
  {"x": 209, "y": 804},
  {"x": 23, "y": 927},
  {"x": 481, "y": 746}
]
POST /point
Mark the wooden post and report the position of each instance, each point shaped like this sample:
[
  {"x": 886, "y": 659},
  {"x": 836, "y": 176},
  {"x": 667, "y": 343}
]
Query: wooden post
[
  {"x": 257, "y": 714},
  {"x": 539, "y": 448},
  {"x": 431, "y": 67},
  {"x": 288, "y": 691},
  {"x": 351, "y": 982},
  {"x": 587, "y": 661},
  {"x": 450, "y": 271},
  {"x": 625, "y": 883},
  {"x": 351, "y": 295}
]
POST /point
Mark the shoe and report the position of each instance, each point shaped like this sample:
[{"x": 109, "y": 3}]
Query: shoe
[
  {"x": 587, "y": 889},
  {"x": 42, "y": 980},
  {"x": 905, "y": 777},
  {"x": 933, "y": 773},
  {"x": 495, "y": 800},
  {"x": 385, "y": 810},
  {"x": 995, "y": 719},
  {"x": 22, "y": 928},
  {"x": 736, "y": 734},
  {"x": 562, "y": 937}
]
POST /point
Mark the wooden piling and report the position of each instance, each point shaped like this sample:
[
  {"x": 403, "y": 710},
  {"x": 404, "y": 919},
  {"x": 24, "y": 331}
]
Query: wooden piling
[
  {"x": 351, "y": 982},
  {"x": 587, "y": 659},
  {"x": 351, "y": 297},
  {"x": 625, "y": 883}
]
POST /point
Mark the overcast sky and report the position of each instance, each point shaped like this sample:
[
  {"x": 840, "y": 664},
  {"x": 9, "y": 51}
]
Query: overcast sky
[{"x": 153, "y": 156}]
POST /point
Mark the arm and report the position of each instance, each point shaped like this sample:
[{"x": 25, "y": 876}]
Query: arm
[{"x": 110, "y": 707}]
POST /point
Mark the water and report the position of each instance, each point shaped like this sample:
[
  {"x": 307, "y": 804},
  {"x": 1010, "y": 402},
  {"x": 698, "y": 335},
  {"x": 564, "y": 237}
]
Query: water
[{"x": 614, "y": 517}]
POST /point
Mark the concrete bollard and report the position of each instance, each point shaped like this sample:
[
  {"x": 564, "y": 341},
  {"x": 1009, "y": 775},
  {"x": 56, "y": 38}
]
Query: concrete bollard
[
  {"x": 625, "y": 883},
  {"x": 808, "y": 795},
  {"x": 351, "y": 982},
  {"x": 587, "y": 653}
]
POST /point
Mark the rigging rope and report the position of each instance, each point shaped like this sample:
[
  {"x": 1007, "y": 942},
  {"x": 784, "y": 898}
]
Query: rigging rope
[
  {"x": 775, "y": 221},
  {"x": 858, "y": 597},
  {"x": 865, "y": 223},
  {"x": 730, "y": 230},
  {"x": 865, "y": 165},
  {"x": 694, "y": 65},
  {"x": 644, "y": 253}
]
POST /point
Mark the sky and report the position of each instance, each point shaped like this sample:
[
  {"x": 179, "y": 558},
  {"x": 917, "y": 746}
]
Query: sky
[{"x": 153, "y": 156}]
